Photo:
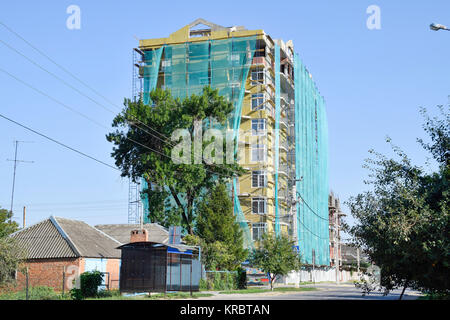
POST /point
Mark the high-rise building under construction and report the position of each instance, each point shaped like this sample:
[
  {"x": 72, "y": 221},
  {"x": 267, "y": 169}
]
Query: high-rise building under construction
[{"x": 279, "y": 119}]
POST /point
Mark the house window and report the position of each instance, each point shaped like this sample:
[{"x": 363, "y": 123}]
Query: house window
[
  {"x": 257, "y": 76},
  {"x": 259, "y": 205},
  {"x": 258, "y": 127},
  {"x": 259, "y": 153},
  {"x": 258, "y": 229},
  {"x": 258, "y": 101},
  {"x": 259, "y": 179}
]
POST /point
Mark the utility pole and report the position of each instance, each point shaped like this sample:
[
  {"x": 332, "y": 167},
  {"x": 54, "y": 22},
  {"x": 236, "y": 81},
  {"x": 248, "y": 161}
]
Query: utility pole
[{"x": 16, "y": 142}]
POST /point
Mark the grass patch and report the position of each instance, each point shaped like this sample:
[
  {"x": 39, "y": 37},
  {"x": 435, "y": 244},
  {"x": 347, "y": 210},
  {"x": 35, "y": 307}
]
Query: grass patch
[
  {"x": 434, "y": 297},
  {"x": 34, "y": 293},
  {"x": 261, "y": 290}
]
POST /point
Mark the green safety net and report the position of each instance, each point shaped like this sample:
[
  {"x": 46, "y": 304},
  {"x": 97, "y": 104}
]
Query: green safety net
[
  {"x": 311, "y": 168},
  {"x": 152, "y": 61},
  {"x": 224, "y": 65},
  {"x": 277, "y": 135}
]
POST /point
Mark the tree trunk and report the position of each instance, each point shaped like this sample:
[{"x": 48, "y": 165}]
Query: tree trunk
[
  {"x": 403, "y": 291},
  {"x": 185, "y": 218},
  {"x": 272, "y": 279}
]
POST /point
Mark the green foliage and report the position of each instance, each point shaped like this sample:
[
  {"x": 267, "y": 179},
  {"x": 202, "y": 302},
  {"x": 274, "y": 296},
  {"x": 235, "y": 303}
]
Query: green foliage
[
  {"x": 108, "y": 293},
  {"x": 219, "y": 235},
  {"x": 203, "y": 285},
  {"x": 403, "y": 222},
  {"x": 276, "y": 256},
  {"x": 223, "y": 280},
  {"x": 241, "y": 279},
  {"x": 76, "y": 294},
  {"x": 89, "y": 283},
  {"x": 7, "y": 227},
  {"x": 142, "y": 152},
  {"x": 34, "y": 293},
  {"x": 11, "y": 255}
]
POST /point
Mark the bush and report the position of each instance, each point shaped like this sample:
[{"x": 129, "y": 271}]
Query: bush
[
  {"x": 241, "y": 279},
  {"x": 226, "y": 280},
  {"x": 203, "y": 285},
  {"x": 76, "y": 294},
  {"x": 89, "y": 282},
  {"x": 108, "y": 293}
]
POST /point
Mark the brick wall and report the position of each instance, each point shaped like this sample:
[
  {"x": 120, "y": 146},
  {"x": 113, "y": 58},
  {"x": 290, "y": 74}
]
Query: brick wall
[
  {"x": 49, "y": 272},
  {"x": 113, "y": 267}
]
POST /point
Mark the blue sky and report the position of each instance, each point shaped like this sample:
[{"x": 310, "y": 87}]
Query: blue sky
[{"x": 374, "y": 82}]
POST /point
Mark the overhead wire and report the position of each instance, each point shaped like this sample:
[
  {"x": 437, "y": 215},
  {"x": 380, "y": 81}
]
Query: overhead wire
[
  {"x": 166, "y": 140},
  {"x": 58, "y": 142}
]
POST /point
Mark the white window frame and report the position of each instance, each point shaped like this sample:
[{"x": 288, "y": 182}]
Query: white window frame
[
  {"x": 261, "y": 177},
  {"x": 262, "y": 205},
  {"x": 261, "y": 127},
  {"x": 255, "y": 76},
  {"x": 258, "y": 148},
  {"x": 261, "y": 228},
  {"x": 258, "y": 101}
]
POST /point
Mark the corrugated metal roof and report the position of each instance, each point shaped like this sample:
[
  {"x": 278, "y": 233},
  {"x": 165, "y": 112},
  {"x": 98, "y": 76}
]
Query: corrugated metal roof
[
  {"x": 122, "y": 232},
  {"x": 66, "y": 238},
  {"x": 89, "y": 241},
  {"x": 44, "y": 241}
]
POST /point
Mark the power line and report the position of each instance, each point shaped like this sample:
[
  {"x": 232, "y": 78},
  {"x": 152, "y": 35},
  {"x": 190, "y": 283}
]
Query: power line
[
  {"x": 86, "y": 117},
  {"x": 166, "y": 141},
  {"x": 97, "y": 123},
  {"x": 57, "y": 142},
  {"x": 307, "y": 205}
]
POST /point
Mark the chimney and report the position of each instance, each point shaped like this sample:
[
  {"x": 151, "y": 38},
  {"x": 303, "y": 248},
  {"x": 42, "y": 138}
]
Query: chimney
[{"x": 139, "y": 236}]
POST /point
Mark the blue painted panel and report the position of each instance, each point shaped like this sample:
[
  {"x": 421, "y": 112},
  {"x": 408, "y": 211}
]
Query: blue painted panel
[{"x": 92, "y": 264}]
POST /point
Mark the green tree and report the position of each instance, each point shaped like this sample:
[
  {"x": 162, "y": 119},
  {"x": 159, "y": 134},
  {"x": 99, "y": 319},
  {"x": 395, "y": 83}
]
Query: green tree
[
  {"x": 10, "y": 253},
  {"x": 403, "y": 222},
  {"x": 6, "y": 225},
  {"x": 218, "y": 232},
  {"x": 142, "y": 148},
  {"x": 275, "y": 256}
]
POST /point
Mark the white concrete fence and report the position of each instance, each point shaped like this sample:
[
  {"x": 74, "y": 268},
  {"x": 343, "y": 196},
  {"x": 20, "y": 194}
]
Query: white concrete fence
[{"x": 318, "y": 275}]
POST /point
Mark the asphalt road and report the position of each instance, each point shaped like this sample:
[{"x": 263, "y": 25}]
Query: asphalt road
[{"x": 323, "y": 292}]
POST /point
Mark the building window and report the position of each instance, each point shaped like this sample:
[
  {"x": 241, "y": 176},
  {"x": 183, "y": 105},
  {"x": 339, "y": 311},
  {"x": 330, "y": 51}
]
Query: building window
[
  {"x": 235, "y": 57},
  {"x": 259, "y": 205},
  {"x": 257, "y": 76},
  {"x": 258, "y": 229},
  {"x": 258, "y": 101},
  {"x": 259, "y": 179},
  {"x": 258, "y": 127},
  {"x": 259, "y": 153}
]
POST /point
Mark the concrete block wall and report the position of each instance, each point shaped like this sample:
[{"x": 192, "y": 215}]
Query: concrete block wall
[{"x": 318, "y": 275}]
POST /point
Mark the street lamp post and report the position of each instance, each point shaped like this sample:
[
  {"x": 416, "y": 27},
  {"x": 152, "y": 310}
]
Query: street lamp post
[{"x": 437, "y": 27}]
